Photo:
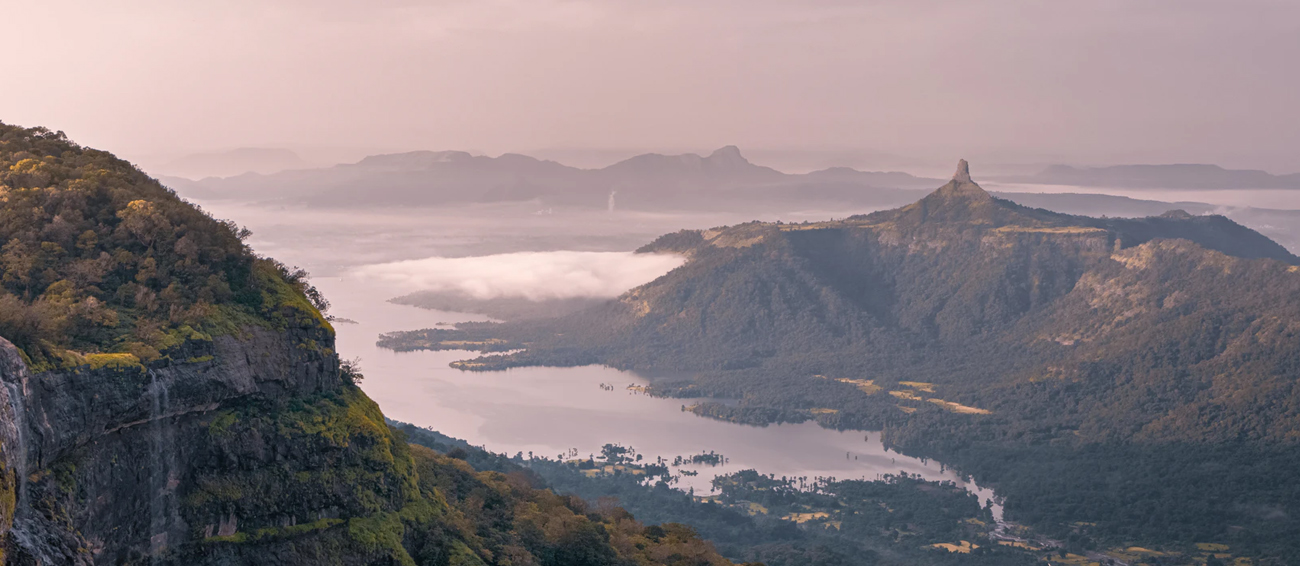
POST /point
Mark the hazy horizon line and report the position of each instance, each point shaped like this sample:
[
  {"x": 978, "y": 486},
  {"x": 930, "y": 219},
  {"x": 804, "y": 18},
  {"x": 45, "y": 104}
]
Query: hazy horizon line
[{"x": 759, "y": 156}]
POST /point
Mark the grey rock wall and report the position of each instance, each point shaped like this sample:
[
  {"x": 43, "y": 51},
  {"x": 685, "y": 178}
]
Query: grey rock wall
[{"x": 94, "y": 460}]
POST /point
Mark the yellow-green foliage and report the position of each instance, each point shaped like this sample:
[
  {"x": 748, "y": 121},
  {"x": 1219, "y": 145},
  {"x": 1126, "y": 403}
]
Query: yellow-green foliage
[
  {"x": 345, "y": 422},
  {"x": 112, "y": 361},
  {"x": 178, "y": 336},
  {"x": 461, "y": 555},
  {"x": 341, "y": 421},
  {"x": 97, "y": 257},
  {"x": 295, "y": 530},
  {"x": 363, "y": 469},
  {"x": 501, "y": 515},
  {"x": 282, "y": 299},
  {"x": 220, "y": 425},
  {"x": 381, "y": 532},
  {"x": 398, "y": 501}
]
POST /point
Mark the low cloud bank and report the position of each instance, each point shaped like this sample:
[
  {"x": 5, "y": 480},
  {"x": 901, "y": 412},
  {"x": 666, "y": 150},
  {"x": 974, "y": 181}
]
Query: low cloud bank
[{"x": 532, "y": 275}]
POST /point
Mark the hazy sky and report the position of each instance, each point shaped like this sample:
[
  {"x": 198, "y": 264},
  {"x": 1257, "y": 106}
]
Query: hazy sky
[{"x": 1082, "y": 81}]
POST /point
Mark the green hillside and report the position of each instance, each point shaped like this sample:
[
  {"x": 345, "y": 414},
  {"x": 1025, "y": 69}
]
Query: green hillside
[
  {"x": 98, "y": 258},
  {"x": 169, "y": 397},
  {"x": 976, "y": 330}
]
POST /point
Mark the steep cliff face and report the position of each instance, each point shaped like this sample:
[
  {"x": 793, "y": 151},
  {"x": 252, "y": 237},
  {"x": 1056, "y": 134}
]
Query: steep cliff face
[
  {"x": 168, "y": 395},
  {"x": 266, "y": 454},
  {"x": 258, "y": 437}
]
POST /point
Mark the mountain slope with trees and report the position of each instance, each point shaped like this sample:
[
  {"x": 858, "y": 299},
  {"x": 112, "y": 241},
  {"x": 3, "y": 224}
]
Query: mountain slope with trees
[
  {"x": 983, "y": 332},
  {"x": 169, "y": 397},
  {"x": 965, "y": 291}
]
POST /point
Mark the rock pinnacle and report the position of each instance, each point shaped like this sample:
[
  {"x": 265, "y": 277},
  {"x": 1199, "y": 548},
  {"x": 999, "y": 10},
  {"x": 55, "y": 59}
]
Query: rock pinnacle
[{"x": 963, "y": 172}]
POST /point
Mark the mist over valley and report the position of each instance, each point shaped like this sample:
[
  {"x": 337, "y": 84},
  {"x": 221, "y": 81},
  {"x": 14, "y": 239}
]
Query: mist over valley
[{"x": 672, "y": 283}]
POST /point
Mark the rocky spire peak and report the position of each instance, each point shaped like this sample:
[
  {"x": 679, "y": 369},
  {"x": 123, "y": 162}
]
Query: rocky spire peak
[
  {"x": 960, "y": 193},
  {"x": 963, "y": 172}
]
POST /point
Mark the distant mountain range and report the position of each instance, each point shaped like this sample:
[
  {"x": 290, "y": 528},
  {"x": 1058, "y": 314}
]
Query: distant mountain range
[
  {"x": 1178, "y": 176},
  {"x": 231, "y": 163},
  {"x": 723, "y": 179}
]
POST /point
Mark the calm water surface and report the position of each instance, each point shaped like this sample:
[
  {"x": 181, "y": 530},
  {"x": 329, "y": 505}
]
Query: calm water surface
[{"x": 549, "y": 411}]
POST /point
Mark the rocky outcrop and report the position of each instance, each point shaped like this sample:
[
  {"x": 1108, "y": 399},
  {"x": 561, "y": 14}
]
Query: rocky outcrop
[
  {"x": 105, "y": 466},
  {"x": 963, "y": 172},
  {"x": 68, "y": 409}
]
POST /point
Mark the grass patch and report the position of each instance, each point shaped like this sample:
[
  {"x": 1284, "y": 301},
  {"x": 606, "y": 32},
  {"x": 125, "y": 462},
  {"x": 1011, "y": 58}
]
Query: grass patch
[
  {"x": 113, "y": 361},
  {"x": 802, "y": 518},
  {"x": 959, "y": 408},
  {"x": 961, "y": 547},
  {"x": 864, "y": 385}
]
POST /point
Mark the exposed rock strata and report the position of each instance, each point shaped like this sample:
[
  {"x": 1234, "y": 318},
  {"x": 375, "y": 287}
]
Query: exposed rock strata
[{"x": 97, "y": 462}]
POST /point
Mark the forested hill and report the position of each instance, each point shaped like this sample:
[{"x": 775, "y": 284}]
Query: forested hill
[
  {"x": 102, "y": 264},
  {"x": 171, "y": 398},
  {"x": 1149, "y": 324}
]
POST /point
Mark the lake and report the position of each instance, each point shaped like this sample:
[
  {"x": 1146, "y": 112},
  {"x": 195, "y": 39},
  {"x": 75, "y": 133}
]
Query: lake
[
  {"x": 546, "y": 411},
  {"x": 551, "y": 411}
]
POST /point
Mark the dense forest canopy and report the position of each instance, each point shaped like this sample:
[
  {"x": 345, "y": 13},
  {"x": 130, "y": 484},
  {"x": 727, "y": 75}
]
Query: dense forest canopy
[{"x": 98, "y": 258}]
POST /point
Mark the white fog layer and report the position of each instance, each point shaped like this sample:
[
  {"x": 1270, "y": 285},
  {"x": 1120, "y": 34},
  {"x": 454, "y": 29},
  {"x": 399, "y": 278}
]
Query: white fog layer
[{"x": 532, "y": 275}]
